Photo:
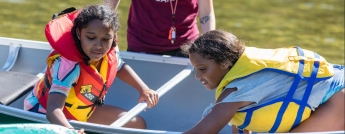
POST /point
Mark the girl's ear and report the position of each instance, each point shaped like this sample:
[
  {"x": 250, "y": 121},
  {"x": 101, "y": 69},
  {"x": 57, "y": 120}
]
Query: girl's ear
[
  {"x": 225, "y": 65},
  {"x": 78, "y": 33},
  {"x": 116, "y": 39}
]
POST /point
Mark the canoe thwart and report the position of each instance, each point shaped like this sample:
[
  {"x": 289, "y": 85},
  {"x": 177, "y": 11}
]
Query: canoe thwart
[{"x": 160, "y": 91}]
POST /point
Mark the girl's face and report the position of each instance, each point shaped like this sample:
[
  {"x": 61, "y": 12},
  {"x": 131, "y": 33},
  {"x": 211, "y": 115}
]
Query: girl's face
[
  {"x": 207, "y": 71},
  {"x": 96, "y": 39}
]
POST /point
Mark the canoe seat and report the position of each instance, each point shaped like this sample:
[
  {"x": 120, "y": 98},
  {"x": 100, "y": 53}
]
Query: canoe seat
[{"x": 14, "y": 85}]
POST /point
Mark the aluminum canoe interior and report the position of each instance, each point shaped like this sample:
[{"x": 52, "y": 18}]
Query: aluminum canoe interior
[
  {"x": 182, "y": 98},
  {"x": 181, "y": 104}
]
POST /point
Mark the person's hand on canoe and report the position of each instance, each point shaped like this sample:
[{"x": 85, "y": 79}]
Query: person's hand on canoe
[
  {"x": 150, "y": 96},
  {"x": 78, "y": 131}
]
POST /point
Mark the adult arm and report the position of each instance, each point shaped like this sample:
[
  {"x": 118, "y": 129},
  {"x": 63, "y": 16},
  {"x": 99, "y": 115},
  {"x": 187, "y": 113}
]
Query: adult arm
[
  {"x": 206, "y": 16},
  {"x": 55, "y": 105},
  {"x": 112, "y": 3},
  {"x": 220, "y": 115},
  {"x": 127, "y": 74}
]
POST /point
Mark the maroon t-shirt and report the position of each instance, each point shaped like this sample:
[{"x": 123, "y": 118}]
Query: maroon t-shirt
[{"x": 149, "y": 22}]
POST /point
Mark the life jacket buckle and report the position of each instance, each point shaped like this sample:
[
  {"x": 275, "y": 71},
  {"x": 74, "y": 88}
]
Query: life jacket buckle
[
  {"x": 100, "y": 102},
  {"x": 241, "y": 131}
]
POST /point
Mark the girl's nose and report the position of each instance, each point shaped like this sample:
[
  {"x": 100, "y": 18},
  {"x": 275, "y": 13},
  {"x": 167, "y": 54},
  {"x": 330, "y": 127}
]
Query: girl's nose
[
  {"x": 98, "y": 43},
  {"x": 197, "y": 75}
]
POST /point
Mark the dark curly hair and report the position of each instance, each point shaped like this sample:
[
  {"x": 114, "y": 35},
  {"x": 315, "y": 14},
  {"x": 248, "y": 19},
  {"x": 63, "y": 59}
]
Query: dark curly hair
[
  {"x": 221, "y": 46},
  {"x": 92, "y": 12}
]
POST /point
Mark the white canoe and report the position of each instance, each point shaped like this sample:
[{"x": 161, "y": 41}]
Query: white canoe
[{"x": 182, "y": 98}]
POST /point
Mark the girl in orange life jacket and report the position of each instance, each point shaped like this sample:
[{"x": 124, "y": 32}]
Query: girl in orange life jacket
[
  {"x": 266, "y": 90},
  {"x": 82, "y": 68}
]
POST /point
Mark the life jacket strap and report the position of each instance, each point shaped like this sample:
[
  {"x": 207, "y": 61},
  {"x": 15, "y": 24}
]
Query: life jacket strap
[
  {"x": 240, "y": 131},
  {"x": 68, "y": 10},
  {"x": 47, "y": 84},
  {"x": 79, "y": 107}
]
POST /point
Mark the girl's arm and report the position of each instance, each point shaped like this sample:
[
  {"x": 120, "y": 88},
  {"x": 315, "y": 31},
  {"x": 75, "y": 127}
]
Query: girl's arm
[
  {"x": 61, "y": 68},
  {"x": 206, "y": 15},
  {"x": 220, "y": 115},
  {"x": 54, "y": 114},
  {"x": 127, "y": 74}
]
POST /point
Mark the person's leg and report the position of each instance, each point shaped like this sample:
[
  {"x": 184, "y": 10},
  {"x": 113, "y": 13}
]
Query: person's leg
[
  {"x": 107, "y": 114},
  {"x": 327, "y": 117}
]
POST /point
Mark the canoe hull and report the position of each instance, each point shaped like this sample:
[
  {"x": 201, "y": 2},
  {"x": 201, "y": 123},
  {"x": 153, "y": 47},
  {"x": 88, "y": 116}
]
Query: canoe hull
[{"x": 180, "y": 106}]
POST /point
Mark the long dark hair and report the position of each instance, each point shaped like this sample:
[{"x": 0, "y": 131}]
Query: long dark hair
[{"x": 92, "y": 12}]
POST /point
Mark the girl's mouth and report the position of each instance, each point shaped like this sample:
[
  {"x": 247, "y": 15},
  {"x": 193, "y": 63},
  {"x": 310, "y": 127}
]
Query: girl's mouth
[
  {"x": 96, "y": 52},
  {"x": 204, "y": 83}
]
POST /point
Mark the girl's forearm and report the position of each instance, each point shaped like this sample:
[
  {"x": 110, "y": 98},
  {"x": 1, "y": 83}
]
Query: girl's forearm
[
  {"x": 127, "y": 74},
  {"x": 57, "y": 117}
]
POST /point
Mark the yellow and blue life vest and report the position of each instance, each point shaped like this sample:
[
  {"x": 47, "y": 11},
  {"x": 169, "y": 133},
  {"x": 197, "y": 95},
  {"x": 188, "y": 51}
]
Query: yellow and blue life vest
[{"x": 282, "y": 114}]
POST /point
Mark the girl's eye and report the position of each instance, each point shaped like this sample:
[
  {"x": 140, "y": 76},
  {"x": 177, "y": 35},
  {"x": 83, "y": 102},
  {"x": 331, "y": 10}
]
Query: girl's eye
[
  {"x": 106, "y": 39},
  {"x": 90, "y": 38},
  {"x": 202, "y": 69}
]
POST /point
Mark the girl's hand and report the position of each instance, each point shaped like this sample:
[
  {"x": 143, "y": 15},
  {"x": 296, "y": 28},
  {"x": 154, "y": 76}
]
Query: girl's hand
[
  {"x": 150, "y": 96},
  {"x": 80, "y": 131}
]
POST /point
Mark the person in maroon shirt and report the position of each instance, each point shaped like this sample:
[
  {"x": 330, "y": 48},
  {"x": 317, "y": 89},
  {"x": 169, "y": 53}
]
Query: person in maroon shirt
[{"x": 162, "y": 26}]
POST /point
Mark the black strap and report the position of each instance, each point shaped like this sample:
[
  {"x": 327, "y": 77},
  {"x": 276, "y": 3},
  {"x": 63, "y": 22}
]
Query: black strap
[
  {"x": 68, "y": 10},
  {"x": 46, "y": 82},
  {"x": 79, "y": 107},
  {"x": 100, "y": 101}
]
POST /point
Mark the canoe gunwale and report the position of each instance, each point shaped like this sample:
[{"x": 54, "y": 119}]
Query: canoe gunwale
[
  {"x": 124, "y": 54},
  {"x": 25, "y": 43},
  {"x": 90, "y": 127}
]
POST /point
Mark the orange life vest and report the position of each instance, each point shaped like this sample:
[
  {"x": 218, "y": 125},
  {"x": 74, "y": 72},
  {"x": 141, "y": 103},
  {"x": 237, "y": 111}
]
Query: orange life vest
[{"x": 91, "y": 87}]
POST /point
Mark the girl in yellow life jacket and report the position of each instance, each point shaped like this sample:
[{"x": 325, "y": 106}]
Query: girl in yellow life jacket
[
  {"x": 82, "y": 67},
  {"x": 266, "y": 90}
]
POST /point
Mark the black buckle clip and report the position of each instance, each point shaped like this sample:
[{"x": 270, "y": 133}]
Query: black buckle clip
[{"x": 100, "y": 102}]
